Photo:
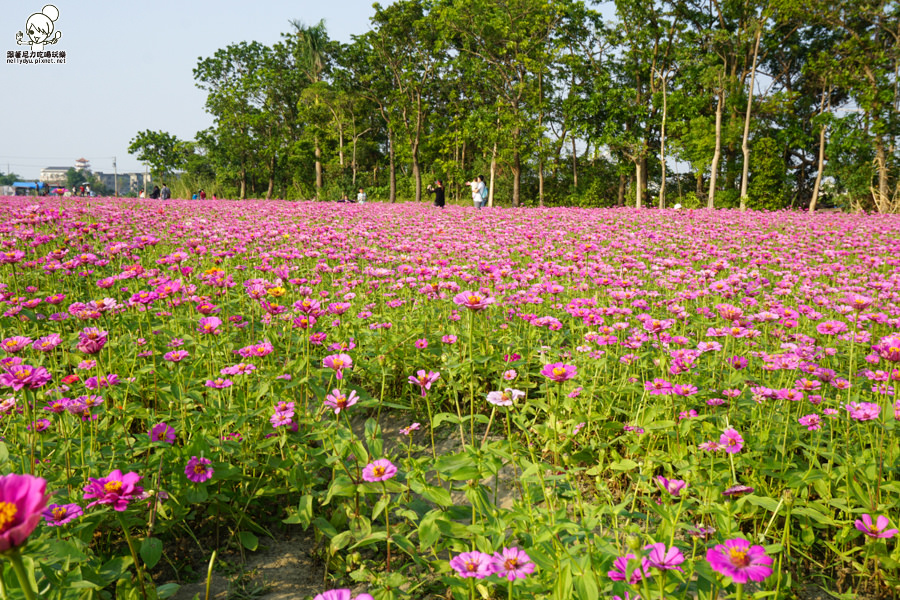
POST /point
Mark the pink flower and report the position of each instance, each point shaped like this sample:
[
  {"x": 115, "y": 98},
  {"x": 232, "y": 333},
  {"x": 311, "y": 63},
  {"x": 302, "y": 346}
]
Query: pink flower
[
  {"x": 877, "y": 529},
  {"x": 740, "y": 560},
  {"x": 15, "y": 344},
  {"x": 198, "y": 469},
  {"x": 559, "y": 372},
  {"x": 24, "y": 376},
  {"x": 509, "y": 374},
  {"x": 338, "y": 362},
  {"x": 664, "y": 559},
  {"x": 863, "y": 411},
  {"x": 421, "y": 344},
  {"x": 161, "y": 432},
  {"x": 811, "y": 422},
  {"x": 116, "y": 489},
  {"x": 410, "y": 429},
  {"x": 22, "y": 498},
  {"x": 620, "y": 569},
  {"x": 731, "y": 440},
  {"x": 176, "y": 355},
  {"x": 209, "y": 325},
  {"x": 473, "y": 564},
  {"x": 473, "y": 300},
  {"x": 339, "y": 401},
  {"x": 60, "y": 514},
  {"x": 341, "y": 594},
  {"x": 380, "y": 470},
  {"x": 505, "y": 398},
  {"x": 424, "y": 380},
  {"x": 512, "y": 564},
  {"x": 672, "y": 486},
  {"x": 219, "y": 383}
]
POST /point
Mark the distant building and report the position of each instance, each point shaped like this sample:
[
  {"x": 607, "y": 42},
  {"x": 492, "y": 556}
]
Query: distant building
[
  {"x": 54, "y": 175},
  {"x": 128, "y": 182},
  {"x": 82, "y": 164}
]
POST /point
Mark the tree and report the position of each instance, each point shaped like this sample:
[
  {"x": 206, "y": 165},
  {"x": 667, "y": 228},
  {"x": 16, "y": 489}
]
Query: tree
[{"x": 164, "y": 152}]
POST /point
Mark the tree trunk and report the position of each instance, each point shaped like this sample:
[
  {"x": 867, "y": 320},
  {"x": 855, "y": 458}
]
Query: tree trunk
[
  {"x": 271, "y": 178},
  {"x": 517, "y": 174},
  {"x": 493, "y": 175},
  {"x": 638, "y": 196},
  {"x": 417, "y": 172},
  {"x": 745, "y": 147},
  {"x": 353, "y": 164},
  {"x": 662, "y": 150},
  {"x": 882, "y": 202},
  {"x": 541, "y": 138},
  {"x": 392, "y": 194},
  {"x": 821, "y": 161},
  {"x": 319, "y": 182},
  {"x": 243, "y": 183},
  {"x": 620, "y": 200},
  {"x": 574, "y": 165},
  {"x": 699, "y": 191},
  {"x": 714, "y": 168}
]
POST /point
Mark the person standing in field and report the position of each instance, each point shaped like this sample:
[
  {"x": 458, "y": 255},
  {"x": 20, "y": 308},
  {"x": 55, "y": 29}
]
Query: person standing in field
[
  {"x": 361, "y": 196},
  {"x": 477, "y": 184},
  {"x": 154, "y": 195},
  {"x": 165, "y": 193},
  {"x": 438, "y": 191}
]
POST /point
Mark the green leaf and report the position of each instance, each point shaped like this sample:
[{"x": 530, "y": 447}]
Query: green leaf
[
  {"x": 626, "y": 464},
  {"x": 151, "y": 551},
  {"x": 249, "y": 540}
]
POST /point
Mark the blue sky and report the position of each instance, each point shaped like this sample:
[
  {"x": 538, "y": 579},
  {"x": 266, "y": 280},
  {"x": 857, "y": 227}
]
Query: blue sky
[{"x": 129, "y": 68}]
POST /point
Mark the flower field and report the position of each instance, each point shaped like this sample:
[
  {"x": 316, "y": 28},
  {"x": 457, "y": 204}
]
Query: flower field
[{"x": 552, "y": 403}]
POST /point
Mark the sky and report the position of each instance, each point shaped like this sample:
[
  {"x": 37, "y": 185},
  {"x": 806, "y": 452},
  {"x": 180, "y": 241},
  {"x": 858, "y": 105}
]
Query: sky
[{"x": 129, "y": 67}]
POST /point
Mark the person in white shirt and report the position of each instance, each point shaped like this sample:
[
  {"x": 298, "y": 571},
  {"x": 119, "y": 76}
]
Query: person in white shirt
[{"x": 361, "y": 197}]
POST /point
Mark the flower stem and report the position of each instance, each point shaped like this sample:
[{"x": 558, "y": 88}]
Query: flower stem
[
  {"x": 16, "y": 559},
  {"x": 134, "y": 557}
]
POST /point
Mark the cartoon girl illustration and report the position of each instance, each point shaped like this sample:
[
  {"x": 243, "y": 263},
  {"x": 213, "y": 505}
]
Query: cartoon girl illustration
[{"x": 40, "y": 29}]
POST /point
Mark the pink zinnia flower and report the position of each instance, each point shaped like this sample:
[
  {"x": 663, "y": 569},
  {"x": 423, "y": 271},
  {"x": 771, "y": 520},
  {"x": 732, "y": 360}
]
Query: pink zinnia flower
[
  {"x": 512, "y": 564},
  {"x": 341, "y": 594},
  {"x": 60, "y": 514},
  {"x": 22, "y": 498},
  {"x": 219, "y": 383},
  {"x": 863, "y": 411},
  {"x": 664, "y": 559},
  {"x": 422, "y": 343},
  {"x": 877, "y": 529},
  {"x": 209, "y": 325},
  {"x": 620, "y": 569},
  {"x": 410, "y": 429},
  {"x": 559, "y": 372},
  {"x": 505, "y": 398},
  {"x": 116, "y": 489},
  {"x": 176, "y": 355},
  {"x": 473, "y": 300},
  {"x": 811, "y": 422},
  {"x": 338, "y": 362},
  {"x": 672, "y": 486},
  {"x": 380, "y": 470},
  {"x": 18, "y": 376},
  {"x": 15, "y": 344},
  {"x": 198, "y": 469},
  {"x": 339, "y": 401},
  {"x": 161, "y": 432},
  {"x": 473, "y": 564},
  {"x": 510, "y": 374},
  {"x": 740, "y": 560},
  {"x": 731, "y": 440},
  {"x": 424, "y": 380}
]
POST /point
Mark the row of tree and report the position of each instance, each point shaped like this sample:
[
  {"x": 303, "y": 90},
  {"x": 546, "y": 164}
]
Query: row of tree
[{"x": 720, "y": 103}]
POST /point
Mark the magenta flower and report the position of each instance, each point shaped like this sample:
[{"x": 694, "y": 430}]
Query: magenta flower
[
  {"x": 91, "y": 340},
  {"x": 473, "y": 564},
  {"x": 877, "y": 529},
  {"x": 60, "y": 514},
  {"x": 341, "y": 594},
  {"x": 424, "y": 380},
  {"x": 162, "y": 433},
  {"x": 863, "y": 411},
  {"x": 505, "y": 398},
  {"x": 559, "y": 372},
  {"x": 338, "y": 362},
  {"x": 737, "y": 490},
  {"x": 673, "y": 486},
  {"x": 664, "y": 559},
  {"x": 620, "y": 569},
  {"x": 24, "y": 376},
  {"x": 380, "y": 470},
  {"x": 116, "y": 489},
  {"x": 47, "y": 343},
  {"x": 740, "y": 560},
  {"x": 209, "y": 325},
  {"x": 176, "y": 355},
  {"x": 473, "y": 300},
  {"x": 22, "y": 498},
  {"x": 889, "y": 348},
  {"x": 410, "y": 429},
  {"x": 198, "y": 469},
  {"x": 219, "y": 383},
  {"x": 340, "y": 401},
  {"x": 731, "y": 440},
  {"x": 512, "y": 564},
  {"x": 15, "y": 344},
  {"x": 422, "y": 343},
  {"x": 811, "y": 422},
  {"x": 94, "y": 383}
]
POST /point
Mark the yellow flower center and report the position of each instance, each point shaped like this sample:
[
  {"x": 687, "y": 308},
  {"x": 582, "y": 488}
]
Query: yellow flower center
[
  {"x": 471, "y": 566},
  {"x": 112, "y": 487},
  {"x": 558, "y": 371},
  {"x": 338, "y": 363},
  {"x": 511, "y": 564},
  {"x": 60, "y": 512},
  {"x": 199, "y": 469},
  {"x": 474, "y": 299},
  {"x": 378, "y": 471},
  {"x": 738, "y": 557},
  {"x": 8, "y": 512}
]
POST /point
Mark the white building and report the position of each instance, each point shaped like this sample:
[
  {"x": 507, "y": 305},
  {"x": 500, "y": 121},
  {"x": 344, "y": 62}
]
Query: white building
[{"x": 54, "y": 175}]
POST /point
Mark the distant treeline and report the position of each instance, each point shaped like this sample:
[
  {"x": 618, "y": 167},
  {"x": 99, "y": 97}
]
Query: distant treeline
[{"x": 724, "y": 103}]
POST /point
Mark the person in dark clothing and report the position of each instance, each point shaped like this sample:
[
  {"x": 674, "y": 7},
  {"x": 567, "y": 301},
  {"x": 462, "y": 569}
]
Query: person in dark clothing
[
  {"x": 155, "y": 193},
  {"x": 165, "y": 193},
  {"x": 438, "y": 191}
]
